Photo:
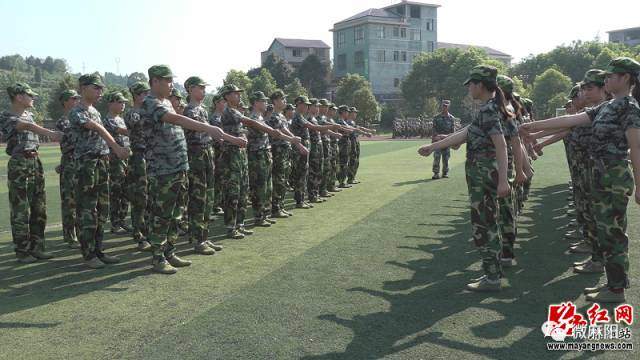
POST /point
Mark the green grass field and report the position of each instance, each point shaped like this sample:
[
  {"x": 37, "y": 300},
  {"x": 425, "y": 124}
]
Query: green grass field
[{"x": 376, "y": 272}]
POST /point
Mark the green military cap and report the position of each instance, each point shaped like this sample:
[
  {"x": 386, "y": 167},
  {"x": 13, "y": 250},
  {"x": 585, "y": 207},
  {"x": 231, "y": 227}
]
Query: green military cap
[
  {"x": 302, "y": 99},
  {"x": 139, "y": 87},
  {"x": 526, "y": 101},
  {"x": 91, "y": 79},
  {"x": 160, "y": 71},
  {"x": 343, "y": 108},
  {"x": 353, "y": 109},
  {"x": 595, "y": 77},
  {"x": 446, "y": 102},
  {"x": 333, "y": 107},
  {"x": 313, "y": 101},
  {"x": 258, "y": 96},
  {"x": 216, "y": 98},
  {"x": 289, "y": 107},
  {"x": 505, "y": 83},
  {"x": 270, "y": 107},
  {"x": 68, "y": 94},
  {"x": 229, "y": 88},
  {"x": 115, "y": 97},
  {"x": 323, "y": 102},
  {"x": 482, "y": 73},
  {"x": 623, "y": 65},
  {"x": 175, "y": 92},
  {"x": 20, "y": 88},
  {"x": 573, "y": 93},
  {"x": 194, "y": 81},
  {"x": 278, "y": 94},
  {"x": 243, "y": 105},
  {"x": 568, "y": 104}
]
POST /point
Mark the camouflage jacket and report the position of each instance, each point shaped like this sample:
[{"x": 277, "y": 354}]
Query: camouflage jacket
[
  {"x": 112, "y": 124},
  {"x": 197, "y": 113},
  {"x": 257, "y": 140},
  {"x": 232, "y": 123},
  {"x": 278, "y": 122},
  {"x": 18, "y": 141},
  {"x": 314, "y": 136},
  {"x": 88, "y": 142},
  {"x": 67, "y": 143},
  {"x": 323, "y": 120},
  {"x": 166, "y": 145},
  {"x": 486, "y": 122},
  {"x": 610, "y": 120},
  {"x": 138, "y": 130},
  {"x": 298, "y": 127},
  {"x": 444, "y": 124}
]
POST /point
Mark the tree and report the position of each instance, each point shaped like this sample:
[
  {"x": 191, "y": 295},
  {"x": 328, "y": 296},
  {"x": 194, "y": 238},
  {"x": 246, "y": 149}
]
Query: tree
[
  {"x": 295, "y": 89},
  {"x": 547, "y": 86},
  {"x": 355, "y": 90},
  {"x": 603, "y": 59},
  {"x": 48, "y": 64},
  {"x": 365, "y": 102},
  {"x": 281, "y": 71},
  {"x": 388, "y": 114},
  {"x": 37, "y": 77},
  {"x": 253, "y": 73},
  {"x": 313, "y": 75},
  {"x": 240, "y": 79},
  {"x": 264, "y": 82}
]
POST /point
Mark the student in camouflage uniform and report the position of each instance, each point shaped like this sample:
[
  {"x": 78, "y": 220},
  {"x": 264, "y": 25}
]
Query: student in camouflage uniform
[
  {"x": 344, "y": 147},
  {"x": 91, "y": 154},
  {"x": 486, "y": 170},
  {"x": 67, "y": 170},
  {"x": 329, "y": 137},
  {"x": 178, "y": 104},
  {"x": 201, "y": 169},
  {"x": 316, "y": 155},
  {"x": 443, "y": 124},
  {"x": 168, "y": 166},
  {"x": 218, "y": 105},
  {"x": 25, "y": 176},
  {"x": 333, "y": 164},
  {"x": 289, "y": 112},
  {"x": 137, "y": 183},
  {"x": 354, "y": 156},
  {"x": 118, "y": 169},
  {"x": 615, "y": 131}
]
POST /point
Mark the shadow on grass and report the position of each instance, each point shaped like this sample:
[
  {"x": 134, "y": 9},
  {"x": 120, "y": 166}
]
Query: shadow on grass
[{"x": 435, "y": 294}]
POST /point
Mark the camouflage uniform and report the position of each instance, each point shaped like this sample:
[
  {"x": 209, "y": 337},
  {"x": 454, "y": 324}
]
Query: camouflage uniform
[
  {"x": 333, "y": 168},
  {"x": 443, "y": 125},
  {"x": 118, "y": 169},
  {"x": 167, "y": 172},
  {"x": 507, "y": 215},
  {"x": 25, "y": 178},
  {"x": 482, "y": 179},
  {"x": 612, "y": 182},
  {"x": 67, "y": 182},
  {"x": 91, "y": 154},
  {"x": 260, "y": 163},
  {"x": 300, "y": 163},
  {"x": 201, "y": 176},
  {"x": 280, "y": 150},
  {"x": 137, "y": 184},
  {"x": 344, "y": 146},
  {"x": 327, "y": 150},
  {"x": 215, "y": 120},
  {"x": 354, "y": 154},
  {"x": 316, "y": 162},
  {"x": 235, "y": 173}
]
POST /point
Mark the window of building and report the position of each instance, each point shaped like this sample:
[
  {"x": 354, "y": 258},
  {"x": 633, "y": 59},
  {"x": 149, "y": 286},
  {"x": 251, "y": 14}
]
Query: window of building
[
  {"x": 341, "y": 39},
  {"x": 342, "y": 62},
  {"x": 396, "y": 82},
  {"x": 396, "y": 56},
  {"x": 414, "y": 34},
  {"x": 359, "y": 35},
  {"x": 380, "y": 55},
  {"x": 380, "y": 32},
  {"x": 358, "y": 59},
  {"x": 400, "y": 10},
  {"x": 396, "y": 32},
  {"x": 430, "y": 25},
  {"x": 415, "y": 11},
  {"x": 403, "y": 33},
  {"x": 403, "y": 56},
  {"x": 297, "y": 52},
  {"x": 430, "y": 46}
]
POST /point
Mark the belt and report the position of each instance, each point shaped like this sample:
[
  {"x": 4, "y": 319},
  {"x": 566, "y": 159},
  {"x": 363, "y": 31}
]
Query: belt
[
  {"x": 30, "y": 154},
  {"x": 94, "y": 157},
  {"x": 481, "y": 156}
]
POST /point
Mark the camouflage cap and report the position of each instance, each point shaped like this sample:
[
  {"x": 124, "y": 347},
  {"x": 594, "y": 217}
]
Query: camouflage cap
[
  {"x": 446, "y": 102},
  {"x": 289, "y": 107},
  {"x": 595, "y": 77},
  {"x": 278, "y": 94},
  {"x": 194, "y": 81},
  {"x": 482, "y": 73},
  {"x": 258, "y": 96},
  {"x": 623, "y": 65},
  {"x": 175, "y": 92},
  {"x": 324, "y": 102},
  {"x": 302, "y": 99},
  {"x": 568, "y": 104},
  {"x": 116, "y": 96},
  {"x": 573, "y": 93},
  {"x": 91, "y": 79},
  {"x": 505, "y": 83},
  {"x": 333, "y": 107},
  {"x": 353, "y": 109},
  {"x": 270, "y": 107},
  {"x": 20, "y": 88},
  {"x": 343, "y": 108},
  {"x": 139, "y": 87},
  {"x": 216, "y": 98},
  {"x": 160, "y": 71},
  {"x": 243, "y": 105},
  {"x": 229, "y": 88},
  {"x": 68, "y": 94},
  {"x": 313, "y": 101}
]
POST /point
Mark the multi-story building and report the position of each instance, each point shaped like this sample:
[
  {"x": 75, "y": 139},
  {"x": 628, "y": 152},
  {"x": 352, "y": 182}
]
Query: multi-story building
[
  {"x": 294, "y": 51},
  {"x": 630, "y": 36},
  {"x": 380, "y": 44}
]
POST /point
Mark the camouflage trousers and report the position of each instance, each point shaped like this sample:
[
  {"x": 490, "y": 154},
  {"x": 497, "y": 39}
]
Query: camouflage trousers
[
  {"x": 68, "y": 198},
  {"x": 138, "y": 189},
  {"x": 613, "y": 184},
  {"x": 299, "y": 173},
  {"x": 92, "y": 197},
  {"x": 443, "y": 155},
  {"x": 217, "y": 175},
  {"x": 316, "y": 162},
  {"x": 279, "y": 173},
  {"x": 333, "y": 169},
  {"x": 260, "y": 182},
  {"x": 343, "y": 159},
  {"x": 482, "y": 180},
  {"x": 201, "y": 191},
  {"x": 354, "y": 159},
  {"x": 235, "y": 178},
  {"x": 568, "y": 152},
  {"x": 583, "y": 203},
  {"x": 118, "y": 202},
  {"x": 28, "y": 203},
  {"x": 167, "y": 191},
  {"x": 507, "y": 219},
  {"x": 326, "y": 165}
]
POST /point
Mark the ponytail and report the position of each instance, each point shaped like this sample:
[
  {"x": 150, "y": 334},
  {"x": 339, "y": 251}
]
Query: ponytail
[
  {"x": 499, "y": 99},
  {"x": 635, "y": 82}
]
